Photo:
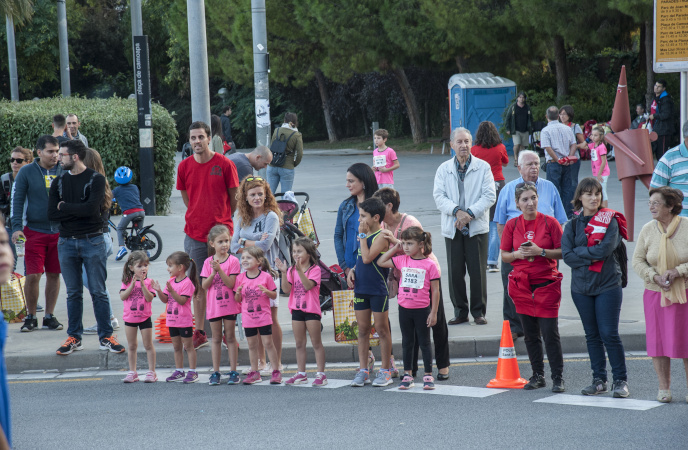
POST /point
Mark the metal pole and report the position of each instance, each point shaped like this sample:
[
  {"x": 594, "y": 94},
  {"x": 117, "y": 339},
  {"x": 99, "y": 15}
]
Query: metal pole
[
  {"x": 64, "y": 47},
  {"x": 684, "y": 100},
  {"x": 136, "y": 18},
  {"x": 12, "y": 59},
  {"x": 198, "y": 61},
  {"x": 261, "y": 68}
]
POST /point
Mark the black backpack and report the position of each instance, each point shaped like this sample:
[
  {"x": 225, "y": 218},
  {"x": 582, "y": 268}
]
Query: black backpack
[{"x": 278, "y": 147}]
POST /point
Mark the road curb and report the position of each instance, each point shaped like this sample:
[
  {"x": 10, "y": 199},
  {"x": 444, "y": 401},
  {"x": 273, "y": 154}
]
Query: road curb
[{"x": 103, "y": 360}]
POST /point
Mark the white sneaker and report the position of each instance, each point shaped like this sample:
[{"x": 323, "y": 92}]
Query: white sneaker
[
  {"x": 114, "y": 323},
  {"x": 267, "y": 371},
  {"x": 91, "y": 330}
]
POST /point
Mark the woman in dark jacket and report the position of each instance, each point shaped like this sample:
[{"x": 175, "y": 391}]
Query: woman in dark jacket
[{"x": 589, "y": 241}]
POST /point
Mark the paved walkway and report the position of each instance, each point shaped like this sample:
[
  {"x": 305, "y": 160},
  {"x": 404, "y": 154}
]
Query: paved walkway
[{"x": 322, "y": 175}]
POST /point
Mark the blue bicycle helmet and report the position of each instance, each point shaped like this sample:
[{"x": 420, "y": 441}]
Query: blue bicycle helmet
[{"x": 123, "y": 175}]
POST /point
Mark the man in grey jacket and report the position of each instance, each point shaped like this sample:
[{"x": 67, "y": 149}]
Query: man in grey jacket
[
  {"x": 464, "y": 192},
  {"x": 30, "y": 222}
]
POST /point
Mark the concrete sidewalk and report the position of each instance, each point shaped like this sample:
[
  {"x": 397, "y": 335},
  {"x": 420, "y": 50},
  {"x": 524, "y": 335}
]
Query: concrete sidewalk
[{"x": 322, "y": 175}]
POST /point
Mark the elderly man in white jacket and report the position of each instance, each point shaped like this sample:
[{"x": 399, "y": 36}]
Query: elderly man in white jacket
[{"x": 464, "y": 192}]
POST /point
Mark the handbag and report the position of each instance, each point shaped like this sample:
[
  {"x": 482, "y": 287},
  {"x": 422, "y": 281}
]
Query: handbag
[
  {"x": 345, "y": 325},
  {"x": 12, "y": 299}
]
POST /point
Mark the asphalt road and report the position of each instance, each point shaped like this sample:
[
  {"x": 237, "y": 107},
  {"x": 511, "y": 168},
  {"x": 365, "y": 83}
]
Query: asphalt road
[{"x": 99, "y": 411}]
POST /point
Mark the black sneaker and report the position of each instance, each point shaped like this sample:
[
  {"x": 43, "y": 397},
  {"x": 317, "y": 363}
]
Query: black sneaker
[
  {"x": 51, "y": 324},
  {"x": 537, "y": 381},
  {"x": 110, "y": 343},
  {"x": 598, "y": 386},
  {"x": 620, "y": 389},
  {"x": 558, "y": 385},
  {"x": 70, "y": 345},
  {"x": 30, "y": 323}
]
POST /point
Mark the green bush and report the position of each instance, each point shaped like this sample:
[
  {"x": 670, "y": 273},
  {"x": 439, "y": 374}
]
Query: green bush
[{"x": 111, "y": 126}]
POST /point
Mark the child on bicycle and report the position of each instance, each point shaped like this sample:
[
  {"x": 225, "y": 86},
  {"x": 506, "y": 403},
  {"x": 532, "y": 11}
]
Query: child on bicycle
[{"x": 129, "y": 199}]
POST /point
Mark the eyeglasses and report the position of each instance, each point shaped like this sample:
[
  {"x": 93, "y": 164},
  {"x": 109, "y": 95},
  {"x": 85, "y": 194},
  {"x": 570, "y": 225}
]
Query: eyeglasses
[
  {"x": 17, "y": 160},
  {"x": 524, "y": 184},
  {"x": 254, "y": 179},
  {"x": 651, "y": 204}
]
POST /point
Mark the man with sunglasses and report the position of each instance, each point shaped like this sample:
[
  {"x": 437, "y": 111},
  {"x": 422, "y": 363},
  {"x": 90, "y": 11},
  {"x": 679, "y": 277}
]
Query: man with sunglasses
[
  {"x": 549, "y": 203},
  {"x": 208, "y": 183},
  {"x": 30, "y": 222}
]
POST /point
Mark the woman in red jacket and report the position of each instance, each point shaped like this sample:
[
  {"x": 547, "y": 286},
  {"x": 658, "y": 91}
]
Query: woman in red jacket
[{"x": 532, "y": 244}]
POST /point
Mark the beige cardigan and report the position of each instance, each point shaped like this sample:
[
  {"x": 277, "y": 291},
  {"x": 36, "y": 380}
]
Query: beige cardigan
[{"x": 646, "y": 252}]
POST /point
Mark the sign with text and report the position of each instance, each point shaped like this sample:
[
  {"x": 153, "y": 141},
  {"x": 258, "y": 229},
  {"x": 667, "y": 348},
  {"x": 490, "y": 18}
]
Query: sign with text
[
  {"x": 671, "y": 36},
  {"x": 145, "y": 119}
]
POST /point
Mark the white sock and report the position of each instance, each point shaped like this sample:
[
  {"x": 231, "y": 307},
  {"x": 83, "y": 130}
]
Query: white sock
[
  {"x": 192, "y": 370},
  {"x": 320, "y": 373},
  {"x": 302, "y": 373}
]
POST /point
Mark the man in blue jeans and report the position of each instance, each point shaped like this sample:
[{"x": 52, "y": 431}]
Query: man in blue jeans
[
  {"x": 76, "y": 200},
  {"x": 559, "y": 142}
]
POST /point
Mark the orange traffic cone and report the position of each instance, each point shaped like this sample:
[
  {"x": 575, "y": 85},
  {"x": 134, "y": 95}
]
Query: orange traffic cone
[
  {"x": 163, "y": 333},
  {"x": 508, "y": 375}
]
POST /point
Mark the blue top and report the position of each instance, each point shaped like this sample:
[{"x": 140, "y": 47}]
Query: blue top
[
  {"x": 672, "y": 171},
  {"x": 371, "y": 279},
  {"x": 351, "y": 243},
  {"x": 127, "y": 196},
  {"x": 346, "y": 209},
  {"x": 549, "y": 201}
]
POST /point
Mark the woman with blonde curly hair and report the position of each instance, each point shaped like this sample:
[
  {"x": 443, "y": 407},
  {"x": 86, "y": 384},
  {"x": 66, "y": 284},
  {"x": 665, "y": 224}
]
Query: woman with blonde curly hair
[{"x": 259, "y": 220}]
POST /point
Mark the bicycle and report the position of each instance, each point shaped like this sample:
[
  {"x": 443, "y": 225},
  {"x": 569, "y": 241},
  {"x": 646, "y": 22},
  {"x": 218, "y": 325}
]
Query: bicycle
[{"x": 137, "y": 237}]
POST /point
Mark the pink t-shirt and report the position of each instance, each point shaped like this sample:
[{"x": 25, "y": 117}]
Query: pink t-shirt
[
  {"x": 384, "y": 158},
  {"x": 255, "y": 306},
  {"x": 136, "y": 308},
  {"x": 595, "y": 158},
  {"x": 414, "y": 284},
  {"x": 299, "y": 297},
  {"x": 180, "y": 315},
  {"x": 220, "y": 299}
]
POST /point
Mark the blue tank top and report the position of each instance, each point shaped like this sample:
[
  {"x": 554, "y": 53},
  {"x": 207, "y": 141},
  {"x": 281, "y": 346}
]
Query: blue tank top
[{"x": 371, "y": 279}]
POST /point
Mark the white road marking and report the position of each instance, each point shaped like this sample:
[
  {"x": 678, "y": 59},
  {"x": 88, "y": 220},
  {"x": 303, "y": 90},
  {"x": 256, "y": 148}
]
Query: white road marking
[
  {"x": 600, "y": 402},
  {"x": 331, "y": 384},
  {"x": 454, "y": 391}
]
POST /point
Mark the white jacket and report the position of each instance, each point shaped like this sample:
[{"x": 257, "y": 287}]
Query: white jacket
[{"x": 479, "y": 192}]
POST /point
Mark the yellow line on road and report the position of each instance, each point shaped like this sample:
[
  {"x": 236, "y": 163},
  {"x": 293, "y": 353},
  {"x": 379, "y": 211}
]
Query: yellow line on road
[{"x": 53, "y": 380}]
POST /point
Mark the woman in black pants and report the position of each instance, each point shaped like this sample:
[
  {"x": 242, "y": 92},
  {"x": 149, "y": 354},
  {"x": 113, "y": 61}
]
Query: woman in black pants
[{"x": 395, "y": 222}]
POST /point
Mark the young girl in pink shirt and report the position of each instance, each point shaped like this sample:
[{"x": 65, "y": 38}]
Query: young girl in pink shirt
[
  {"x": 217, "y": 278},
  {"x": 254, "y": 288},
  {"x": 598, "y": 159},
  {"x": 418, "y": 298},
  {"x": 302, "y": 283},
  {"x": 137, "y": 294},
  {"x": 177, "y": 294},
  {"x": 385, "y": 160}
]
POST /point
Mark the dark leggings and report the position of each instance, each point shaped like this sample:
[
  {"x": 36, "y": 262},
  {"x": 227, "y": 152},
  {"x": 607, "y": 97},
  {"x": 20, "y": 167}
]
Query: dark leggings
[
  {"x": 440, "y": 336},
  {"x": 413, "y": 324},
  {"x": 549, "y": 327}
]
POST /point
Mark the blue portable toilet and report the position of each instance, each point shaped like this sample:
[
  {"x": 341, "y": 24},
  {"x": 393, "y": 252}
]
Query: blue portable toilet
[{"x": 476, "y": 97}]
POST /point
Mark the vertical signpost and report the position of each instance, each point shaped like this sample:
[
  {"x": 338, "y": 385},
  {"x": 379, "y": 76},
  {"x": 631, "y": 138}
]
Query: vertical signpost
[
  {"x": 261, "y": 68},
  {"x": 671, "y": 44},
  {"x": 143, "y": 103}
]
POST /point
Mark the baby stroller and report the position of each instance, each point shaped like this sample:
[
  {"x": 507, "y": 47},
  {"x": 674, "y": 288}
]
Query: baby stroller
[{"x": 332, "y": 278}]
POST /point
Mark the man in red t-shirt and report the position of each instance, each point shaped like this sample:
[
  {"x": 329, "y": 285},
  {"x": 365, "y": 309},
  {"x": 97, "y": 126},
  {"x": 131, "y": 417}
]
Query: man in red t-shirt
[{"x": 208, "y": 182}]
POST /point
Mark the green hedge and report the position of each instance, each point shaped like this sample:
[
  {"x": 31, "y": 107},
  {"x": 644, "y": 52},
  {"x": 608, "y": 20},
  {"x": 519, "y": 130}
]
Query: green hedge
[{"x": 111, "y": 126}]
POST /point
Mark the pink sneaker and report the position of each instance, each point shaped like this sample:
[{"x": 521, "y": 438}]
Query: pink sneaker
[
  {"x": 297, "y": 379},
  {"x": 252, "y": 378},
  {"x": 132, "y": 377},
  {"x": 320, "y": 380},
  {"x": 151, "y": 377},
  {"x": 276, "y": 377}
]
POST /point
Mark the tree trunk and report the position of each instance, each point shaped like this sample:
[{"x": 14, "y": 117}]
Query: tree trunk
[
  {"x": 411, "y": 105},
  {"x": 325, "y": 98},
  {"x": 427, "y": 119},
  {"x": 649, "y": 73},
  {"x": 460, "y": 63},
  {"x": 560, "y": 67},
  {"x": 12, "y": 59}
]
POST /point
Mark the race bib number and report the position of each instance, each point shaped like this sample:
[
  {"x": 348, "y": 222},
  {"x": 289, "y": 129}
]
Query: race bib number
[
  {"x": 412, "y": 278},
  {"x": 379, "y": 161},
  {"x": 593, "y": 155}
]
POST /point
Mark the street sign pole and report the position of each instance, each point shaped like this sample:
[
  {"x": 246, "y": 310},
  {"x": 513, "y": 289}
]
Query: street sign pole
[{"x": 145, "y": 122}]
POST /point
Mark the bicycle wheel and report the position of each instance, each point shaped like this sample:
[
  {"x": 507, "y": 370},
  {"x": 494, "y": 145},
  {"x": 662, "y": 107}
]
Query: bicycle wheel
[{"x": 151, "y": 242}]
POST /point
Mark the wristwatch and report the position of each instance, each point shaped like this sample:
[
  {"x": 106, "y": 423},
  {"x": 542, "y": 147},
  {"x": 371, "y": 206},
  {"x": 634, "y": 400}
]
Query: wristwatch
[
  {"x": 543, "y": 254},
  {"x": 362, "y": 235}
]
